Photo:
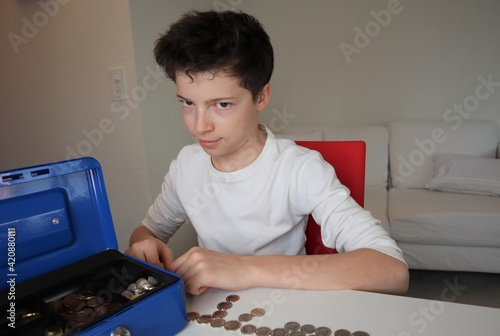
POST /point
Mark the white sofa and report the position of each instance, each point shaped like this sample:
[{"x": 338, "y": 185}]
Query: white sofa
[{"x": 455, "y": 229}]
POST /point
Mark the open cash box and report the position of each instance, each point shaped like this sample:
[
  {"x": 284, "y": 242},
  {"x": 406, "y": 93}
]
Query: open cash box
[{"x": 61, "y": 273}]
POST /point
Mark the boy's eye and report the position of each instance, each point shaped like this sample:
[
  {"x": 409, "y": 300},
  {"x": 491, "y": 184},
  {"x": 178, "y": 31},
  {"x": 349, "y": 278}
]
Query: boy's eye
[
  {"x": 186, "y": 103},
  {"x": 222, "y": 105}
]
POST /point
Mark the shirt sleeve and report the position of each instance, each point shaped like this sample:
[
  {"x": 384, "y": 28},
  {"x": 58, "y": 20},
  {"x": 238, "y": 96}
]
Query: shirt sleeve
[
  {"x": 345, "y": 225},
  {"x": 166, "y": 214}
]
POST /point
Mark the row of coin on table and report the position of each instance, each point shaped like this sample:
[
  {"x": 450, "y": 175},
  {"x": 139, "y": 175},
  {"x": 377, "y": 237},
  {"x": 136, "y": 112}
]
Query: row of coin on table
[{"x": 292, "y": 328}]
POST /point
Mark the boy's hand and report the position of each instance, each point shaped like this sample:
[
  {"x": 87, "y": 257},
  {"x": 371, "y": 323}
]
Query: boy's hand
[
  {"x": 201, "y": 269},
  {"x": 145, "y": 246}
]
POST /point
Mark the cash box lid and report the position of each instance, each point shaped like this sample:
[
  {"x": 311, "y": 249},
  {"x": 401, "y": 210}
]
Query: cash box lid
[{"x": 51, "y": 216}]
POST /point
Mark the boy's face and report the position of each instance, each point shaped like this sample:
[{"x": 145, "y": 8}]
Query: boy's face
[{"x": 222, "y": 117}]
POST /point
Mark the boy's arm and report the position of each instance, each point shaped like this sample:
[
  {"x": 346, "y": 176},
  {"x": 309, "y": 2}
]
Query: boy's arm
[
  {"x": 363, "y": 269},
  {"x": 146, "y": 246}
]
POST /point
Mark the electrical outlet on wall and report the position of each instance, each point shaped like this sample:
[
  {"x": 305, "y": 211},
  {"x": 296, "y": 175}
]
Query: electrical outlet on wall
[{"x": 117, "y": 84}]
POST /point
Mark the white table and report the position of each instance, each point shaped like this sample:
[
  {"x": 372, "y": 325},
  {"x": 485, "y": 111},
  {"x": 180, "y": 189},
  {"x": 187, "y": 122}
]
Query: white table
[{"x": 376, "y": 314}]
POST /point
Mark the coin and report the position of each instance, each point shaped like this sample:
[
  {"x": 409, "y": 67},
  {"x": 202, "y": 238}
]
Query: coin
[
  {"x": 205, "y": 318},
  {"x": 232, "y": 325},
  {"x": 85, "y": 294},
  {"x": 217, "y": 323},
  {"x": 219, "y": 314},
  {"x": 232, "y": 298},
  {"x": 325, "y": 331},
  {"x": 127, "y": 294},
  {"x": 53, "y": 331},
  {"x": 193, "y": 316},
  {"x": 72, "y": 302},
  {"x": 224, "y": 305},
  {"x": 292, "y": 326},
  {"x": 360, "y": 333},
  {"x": 258, "y": 312},
  {"x": 245, "y": 317},
  {"x": 308, "y": 328},
  {"x": 342, "y": 332},
  {"x": 141, "y": 282},
  {"x": 279, "y": 332},
  {"x": 248, "y": 329},
  {"x": 95, "y": 301},
  {"x": 263, "y": 331},
  {"x": 152, "y": 281},
  {"x": 297, "y": 333}
]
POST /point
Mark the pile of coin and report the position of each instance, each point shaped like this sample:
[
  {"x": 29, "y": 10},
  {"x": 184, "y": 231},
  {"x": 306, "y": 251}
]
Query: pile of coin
[
  {"x": 82, "y": 307},
  {"x": 292, "y": 328},
  {"x": 139, "y": 287}
]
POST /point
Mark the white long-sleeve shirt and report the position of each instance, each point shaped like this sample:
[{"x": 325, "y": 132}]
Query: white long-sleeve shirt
[{"x": 262, "y": 209}]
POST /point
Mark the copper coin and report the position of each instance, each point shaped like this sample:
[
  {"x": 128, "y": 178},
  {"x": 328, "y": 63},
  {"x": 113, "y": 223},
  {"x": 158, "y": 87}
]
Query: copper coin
[
  {"x": 95, "y": 301},
  {"x": 204, "y": 319},
  {"x": 292, "y": 326},
  {"x": 308, "y": 328},
  {"x": 85, "y": 294},
  {"x": 192, "y": 316},
  {"x": 232, "y": 298},
  {"x": 232, "y": 325},
  {"x": 245, "y": 317},
  {"x": 360, "y": 333},
  {"x": 258, "y": 312},
  {"x": 219, "y": 314},
  {"x": 248, "y": 329},
  {"x": 73, "y": 303},
  {"x": 217, "y": 323},
  {"x": 279, "y": 332},
  {"x": 297, "y": 333},
  {"x": 340, "y": 332},
  {"x": 263, "y": 331},
  {"x": 100, "y": 310},
  {"x": 224, "y": 305}
]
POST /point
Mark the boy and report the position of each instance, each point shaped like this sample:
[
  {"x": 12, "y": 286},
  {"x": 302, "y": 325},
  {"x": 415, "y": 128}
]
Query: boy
[{"x": 251, "y": 228}]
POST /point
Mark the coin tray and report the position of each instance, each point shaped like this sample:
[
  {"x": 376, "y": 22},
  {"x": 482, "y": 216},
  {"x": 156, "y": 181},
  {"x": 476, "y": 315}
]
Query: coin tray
[
  {"x": 67, "y": 273},
  {"x": 111, "y": 274}
]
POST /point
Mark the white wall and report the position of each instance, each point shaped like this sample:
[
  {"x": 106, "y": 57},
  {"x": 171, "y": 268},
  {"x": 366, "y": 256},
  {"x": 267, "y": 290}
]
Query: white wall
[
  {"x": 418, "y": 65},
  {"x": 55, "y": 95}
]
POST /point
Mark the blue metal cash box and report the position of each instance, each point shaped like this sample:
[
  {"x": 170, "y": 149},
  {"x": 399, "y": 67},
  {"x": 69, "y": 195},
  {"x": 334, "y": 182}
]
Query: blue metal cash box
[{"x": 61, "y": 273}]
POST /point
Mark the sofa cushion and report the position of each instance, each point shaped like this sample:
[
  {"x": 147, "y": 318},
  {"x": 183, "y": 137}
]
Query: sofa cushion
[
  {"x": 413, "y": 143},
  {"x": 377, "y": 151},
  {"x": 466, "y": 174},
  {"x": 376, "y": 203},
  {"x": 423, "y": 216}
]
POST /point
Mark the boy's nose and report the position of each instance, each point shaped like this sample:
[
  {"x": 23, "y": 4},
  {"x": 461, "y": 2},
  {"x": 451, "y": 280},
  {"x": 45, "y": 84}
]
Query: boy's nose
[{"x": 203, "y": 122}]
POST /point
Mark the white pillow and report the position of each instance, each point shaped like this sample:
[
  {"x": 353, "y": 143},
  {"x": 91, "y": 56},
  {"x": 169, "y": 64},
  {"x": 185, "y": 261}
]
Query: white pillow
[{"x": 466, "y": 174}]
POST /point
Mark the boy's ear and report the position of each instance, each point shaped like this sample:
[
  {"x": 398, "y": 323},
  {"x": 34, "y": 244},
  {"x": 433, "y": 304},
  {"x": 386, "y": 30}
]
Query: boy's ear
[{"x": 264, "y": 97}]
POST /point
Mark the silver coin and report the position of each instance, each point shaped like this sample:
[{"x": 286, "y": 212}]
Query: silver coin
[
  {"x": 248, "y": 329},
  {"x": 279, "y": 332},
  {"x": 152, "y": 281},
  {"x": 292, "y": 326},
  {"x": 245, "y": 317},
  {"x": 342, "y": 332},
  {"x": 141, "y": 282},
  {"x": 360, "y": 333},
  {"x": 232, "y": 325},
  {"x": 263, "y": 331},
  {"x": 308, "y": 328}
]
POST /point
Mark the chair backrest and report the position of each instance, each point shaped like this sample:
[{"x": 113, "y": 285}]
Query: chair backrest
[{"x": 348, "y": 160}]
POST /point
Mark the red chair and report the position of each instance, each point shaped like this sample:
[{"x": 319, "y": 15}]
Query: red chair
[{"x": 348, "y": 159}]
